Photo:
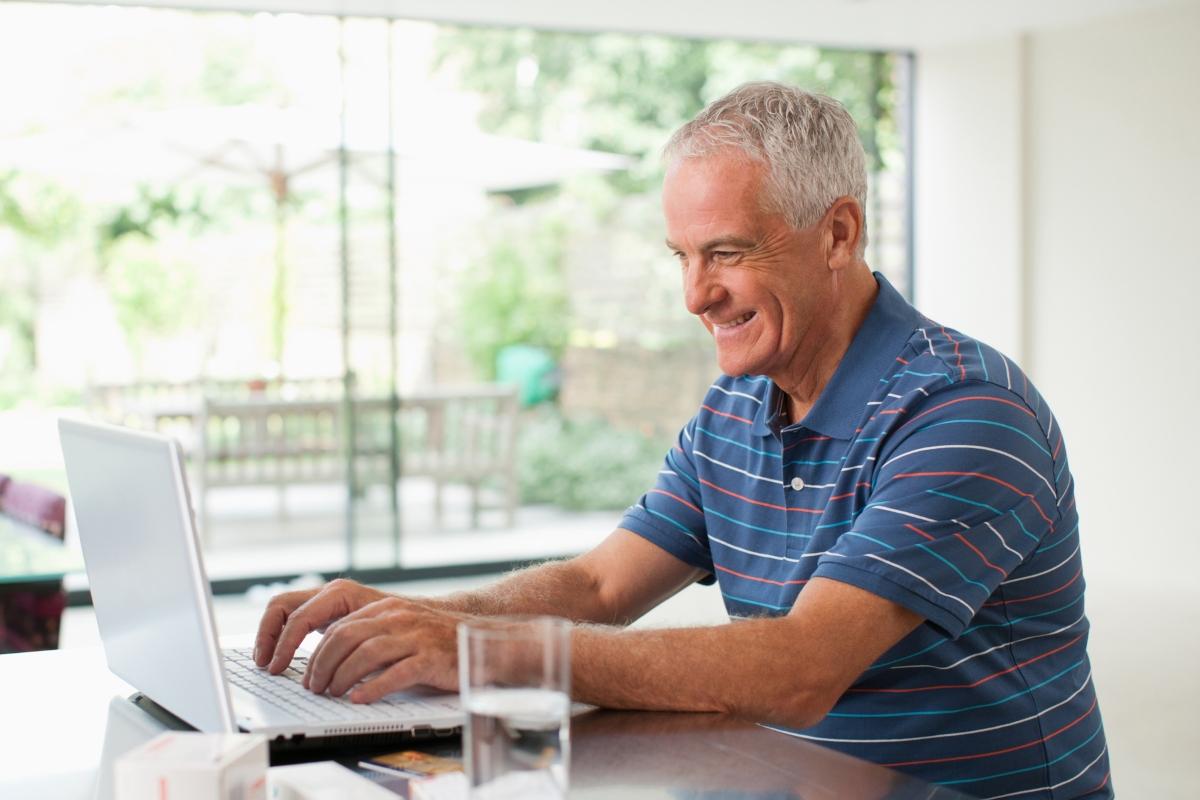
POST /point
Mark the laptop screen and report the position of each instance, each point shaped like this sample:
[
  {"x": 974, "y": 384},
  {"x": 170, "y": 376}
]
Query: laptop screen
[{"x": 148, "y": 586}]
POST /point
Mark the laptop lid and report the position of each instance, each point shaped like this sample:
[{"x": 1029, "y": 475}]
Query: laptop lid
[{"x": 151, "y": 595}]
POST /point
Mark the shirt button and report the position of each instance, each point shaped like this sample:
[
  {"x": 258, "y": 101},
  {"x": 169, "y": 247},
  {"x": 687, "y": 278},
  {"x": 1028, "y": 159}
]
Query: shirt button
[{"x": 797, "y": 484}]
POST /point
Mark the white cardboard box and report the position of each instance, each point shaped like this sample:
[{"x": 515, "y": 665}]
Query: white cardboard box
[
  {"x": 324, "y": 780},
  {"x": 194, "y": 766}
]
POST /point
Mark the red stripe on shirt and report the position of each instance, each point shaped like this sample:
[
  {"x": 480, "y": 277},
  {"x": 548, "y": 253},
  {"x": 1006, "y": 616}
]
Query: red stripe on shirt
[
  {"x": 849, "y": 494},
  {"x": 1099, "y": 785},
  {"x": 1005, "y": 484},
  {"x": 1074, "y": 578},
  {"x": 914, "y": 528},
  {"x": 962, "y": 370},
  {"x": 1017, "y": 406},
  {"x": 1012, "y": 749},
  {"x": 760, "y": 580},
  {"x": 676, "y": 497},
  {"x": 760, "y": 502},
  {"x": 725, "y": 414},
  {"x": 973, "y": 684},
  {"x": 977, "y": 552}
]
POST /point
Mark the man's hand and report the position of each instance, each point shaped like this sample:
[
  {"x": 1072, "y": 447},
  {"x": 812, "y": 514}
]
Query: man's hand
[
  {"x": 291, "y": 616},
  {"x": 404, "y": 642}
]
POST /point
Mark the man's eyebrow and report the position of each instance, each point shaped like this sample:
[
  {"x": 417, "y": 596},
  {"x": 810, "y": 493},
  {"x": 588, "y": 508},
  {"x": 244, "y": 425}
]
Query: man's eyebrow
[{"x": 720, "y": 241}]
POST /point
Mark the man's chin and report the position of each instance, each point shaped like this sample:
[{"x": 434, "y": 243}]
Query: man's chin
[{"x": 737, "y": 367}]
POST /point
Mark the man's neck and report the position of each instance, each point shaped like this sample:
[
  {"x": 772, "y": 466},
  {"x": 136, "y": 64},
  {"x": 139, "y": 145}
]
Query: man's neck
[{"x": 825, "y": 348}]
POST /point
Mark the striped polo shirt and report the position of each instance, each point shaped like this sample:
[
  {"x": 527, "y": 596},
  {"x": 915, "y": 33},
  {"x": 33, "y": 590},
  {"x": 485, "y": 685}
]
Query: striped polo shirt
[{"x": 932, "y": 473}]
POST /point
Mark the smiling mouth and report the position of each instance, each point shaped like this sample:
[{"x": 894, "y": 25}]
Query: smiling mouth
[{"x": 735, "y": 323}]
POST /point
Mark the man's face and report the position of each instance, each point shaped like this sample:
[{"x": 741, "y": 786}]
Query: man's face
[{"x": 759, "y": 286}]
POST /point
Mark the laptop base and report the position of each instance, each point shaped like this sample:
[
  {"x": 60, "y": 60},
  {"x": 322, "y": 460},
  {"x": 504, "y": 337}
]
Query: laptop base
[{"x": 299, "y": 749}]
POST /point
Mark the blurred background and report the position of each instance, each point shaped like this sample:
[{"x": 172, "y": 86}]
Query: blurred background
[
  {"x": 304, "y": 244},
  {"x": 395, "y": 279}
]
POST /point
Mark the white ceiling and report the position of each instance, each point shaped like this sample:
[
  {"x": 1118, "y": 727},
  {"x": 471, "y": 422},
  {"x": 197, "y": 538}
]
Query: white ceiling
[{"x": 900, "y": 24}]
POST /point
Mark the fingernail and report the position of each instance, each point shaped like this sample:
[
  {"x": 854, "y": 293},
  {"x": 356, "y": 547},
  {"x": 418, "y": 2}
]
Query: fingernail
[{"x": 257, "y": 654}]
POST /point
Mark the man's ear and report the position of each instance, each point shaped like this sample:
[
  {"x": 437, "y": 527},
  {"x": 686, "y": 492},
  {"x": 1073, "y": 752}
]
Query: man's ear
[{"x": 843, "y": 230}]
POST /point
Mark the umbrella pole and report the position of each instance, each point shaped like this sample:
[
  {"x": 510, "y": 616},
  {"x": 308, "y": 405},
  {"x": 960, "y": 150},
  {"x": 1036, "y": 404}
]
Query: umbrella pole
[
  {"x": 393, "y": 301},
  {"x": 279, "y": 296},
  {"x": 348, "y": 421}
]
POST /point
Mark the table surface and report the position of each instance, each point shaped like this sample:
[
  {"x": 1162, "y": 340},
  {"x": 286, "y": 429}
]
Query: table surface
[
  {"x": 65, "y": 721},
  {"x": 27, "y": 555}
]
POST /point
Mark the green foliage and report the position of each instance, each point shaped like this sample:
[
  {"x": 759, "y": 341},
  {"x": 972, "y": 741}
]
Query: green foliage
[
  {"x": 151, "y": 285},
  {"x": 583, "y": 465},
  {"x": 151, "y": 212},
  {"x": 624, "y": 93},
  {"x": 36, "y": 209},
  {"x": 515, "y": 293},
  {"x": 151, "y": 288},
  {"x": 221, "y": 68},
  {"x": 234, "y": 75},
  {"x": 42, "y": 216}
]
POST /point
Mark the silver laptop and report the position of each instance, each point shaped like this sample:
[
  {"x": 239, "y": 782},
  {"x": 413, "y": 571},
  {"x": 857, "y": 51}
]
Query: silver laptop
[{"x": 154, "y": 605}]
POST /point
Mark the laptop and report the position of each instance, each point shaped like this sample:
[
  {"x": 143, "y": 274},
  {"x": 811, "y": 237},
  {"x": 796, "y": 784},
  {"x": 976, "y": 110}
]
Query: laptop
[{"x": 153, "y": 605}]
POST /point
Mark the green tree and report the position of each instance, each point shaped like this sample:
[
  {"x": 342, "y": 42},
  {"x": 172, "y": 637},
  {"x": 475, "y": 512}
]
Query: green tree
[
  {"x": 40, "y": 216},
  {"x": 152, "y": 289},
  {"x": 515, "y": 293},
  {"x": 152, "y": 285},
  {"x": 625, "y": 93}
]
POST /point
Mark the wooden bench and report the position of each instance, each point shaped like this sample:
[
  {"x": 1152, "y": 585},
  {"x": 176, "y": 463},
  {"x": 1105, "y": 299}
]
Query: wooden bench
[{"x": 464, "y": 435}]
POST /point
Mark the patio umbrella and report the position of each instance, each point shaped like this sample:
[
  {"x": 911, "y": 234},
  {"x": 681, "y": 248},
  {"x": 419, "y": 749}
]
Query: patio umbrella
[{"x": 280, "y": 145}]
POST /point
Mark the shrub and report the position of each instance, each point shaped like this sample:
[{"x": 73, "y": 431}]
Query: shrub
[{"x": 584, "y": 465}]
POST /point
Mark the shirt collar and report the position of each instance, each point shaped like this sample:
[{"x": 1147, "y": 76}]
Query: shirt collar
[{"x": 871, "y": 354}]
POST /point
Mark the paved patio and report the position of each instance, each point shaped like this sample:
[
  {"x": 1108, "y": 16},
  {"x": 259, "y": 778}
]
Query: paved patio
[{"x": 253, "y": 532}]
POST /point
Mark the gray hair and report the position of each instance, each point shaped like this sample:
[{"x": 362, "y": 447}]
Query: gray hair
[{"x": 808, "y": 142}]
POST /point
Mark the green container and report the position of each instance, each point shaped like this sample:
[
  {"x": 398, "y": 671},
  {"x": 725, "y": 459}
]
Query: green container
[{"x": 531, "y": 369}]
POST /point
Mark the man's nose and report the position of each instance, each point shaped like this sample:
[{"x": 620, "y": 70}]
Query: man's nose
[{"x": 700, "y": 290}]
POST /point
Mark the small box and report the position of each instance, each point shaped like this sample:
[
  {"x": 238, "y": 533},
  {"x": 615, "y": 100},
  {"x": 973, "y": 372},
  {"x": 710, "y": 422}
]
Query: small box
[{"x": 194, "y": 766}]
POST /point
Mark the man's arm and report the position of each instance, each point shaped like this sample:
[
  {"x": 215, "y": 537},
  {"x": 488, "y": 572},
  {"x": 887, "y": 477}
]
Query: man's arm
[
  {"x": 786, "y": 670},
  {"x": 615, "y": 583}
]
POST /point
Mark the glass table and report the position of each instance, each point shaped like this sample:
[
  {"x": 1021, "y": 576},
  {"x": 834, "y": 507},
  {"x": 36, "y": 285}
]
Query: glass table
[{"x": 27, "y": 555}]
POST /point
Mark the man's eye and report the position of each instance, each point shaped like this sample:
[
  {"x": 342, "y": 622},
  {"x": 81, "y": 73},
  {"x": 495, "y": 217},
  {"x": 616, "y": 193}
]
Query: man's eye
[{"x": 725, "y": 255}]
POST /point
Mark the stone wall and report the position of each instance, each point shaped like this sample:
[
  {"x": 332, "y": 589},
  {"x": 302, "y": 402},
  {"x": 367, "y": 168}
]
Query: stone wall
[{"x": 651, "y": 391}]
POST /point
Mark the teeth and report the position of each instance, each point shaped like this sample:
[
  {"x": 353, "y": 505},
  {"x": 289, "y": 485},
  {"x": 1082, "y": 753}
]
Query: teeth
[{"x": 739, "y": 321}]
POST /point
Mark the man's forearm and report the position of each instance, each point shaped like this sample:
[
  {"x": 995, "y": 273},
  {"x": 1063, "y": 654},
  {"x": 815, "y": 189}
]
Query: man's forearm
[
  {"x": 751, "y": 669},
  {"x": 559, "y": 588}
]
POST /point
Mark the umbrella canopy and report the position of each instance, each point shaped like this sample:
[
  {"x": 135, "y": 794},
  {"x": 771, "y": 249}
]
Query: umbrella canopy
[{"x": 282, "y": 144}]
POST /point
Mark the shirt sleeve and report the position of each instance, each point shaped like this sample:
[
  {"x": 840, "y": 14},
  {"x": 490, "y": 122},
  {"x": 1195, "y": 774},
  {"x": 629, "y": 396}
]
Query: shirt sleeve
[
  {"x": 671, "y": 515},
  {"x": 962, "y": 493}
]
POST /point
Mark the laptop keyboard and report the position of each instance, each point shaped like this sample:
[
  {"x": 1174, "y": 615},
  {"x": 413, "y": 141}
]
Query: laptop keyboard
[{"x": 285, "y": 691}]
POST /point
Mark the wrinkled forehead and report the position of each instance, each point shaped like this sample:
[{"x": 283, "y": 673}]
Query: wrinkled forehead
[
  {"x": 711, "y": 177},
  {"x": 710, "y": 192}
]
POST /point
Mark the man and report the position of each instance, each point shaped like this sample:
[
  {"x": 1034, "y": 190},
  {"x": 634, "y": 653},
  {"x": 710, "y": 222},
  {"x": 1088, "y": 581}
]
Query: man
[{"x": 884, "y": 502}]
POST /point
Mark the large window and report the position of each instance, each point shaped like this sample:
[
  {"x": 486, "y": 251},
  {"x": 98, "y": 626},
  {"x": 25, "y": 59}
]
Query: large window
[{"x": 398, "y": 287}]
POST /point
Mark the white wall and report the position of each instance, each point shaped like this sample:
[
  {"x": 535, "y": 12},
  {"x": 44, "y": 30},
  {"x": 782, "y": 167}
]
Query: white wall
[
  {"x": 968, "y": 189},
  {"x": 1114, "y": 275},
  {"x": 1098, "y": 269}
]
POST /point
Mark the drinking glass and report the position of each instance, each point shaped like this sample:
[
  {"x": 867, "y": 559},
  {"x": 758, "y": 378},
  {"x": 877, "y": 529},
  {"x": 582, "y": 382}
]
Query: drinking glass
[{"x": 515, "y": 678}]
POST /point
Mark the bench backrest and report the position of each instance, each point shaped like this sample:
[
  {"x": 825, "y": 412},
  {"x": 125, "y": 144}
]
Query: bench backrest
[{"x": 463, "y": 434}]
